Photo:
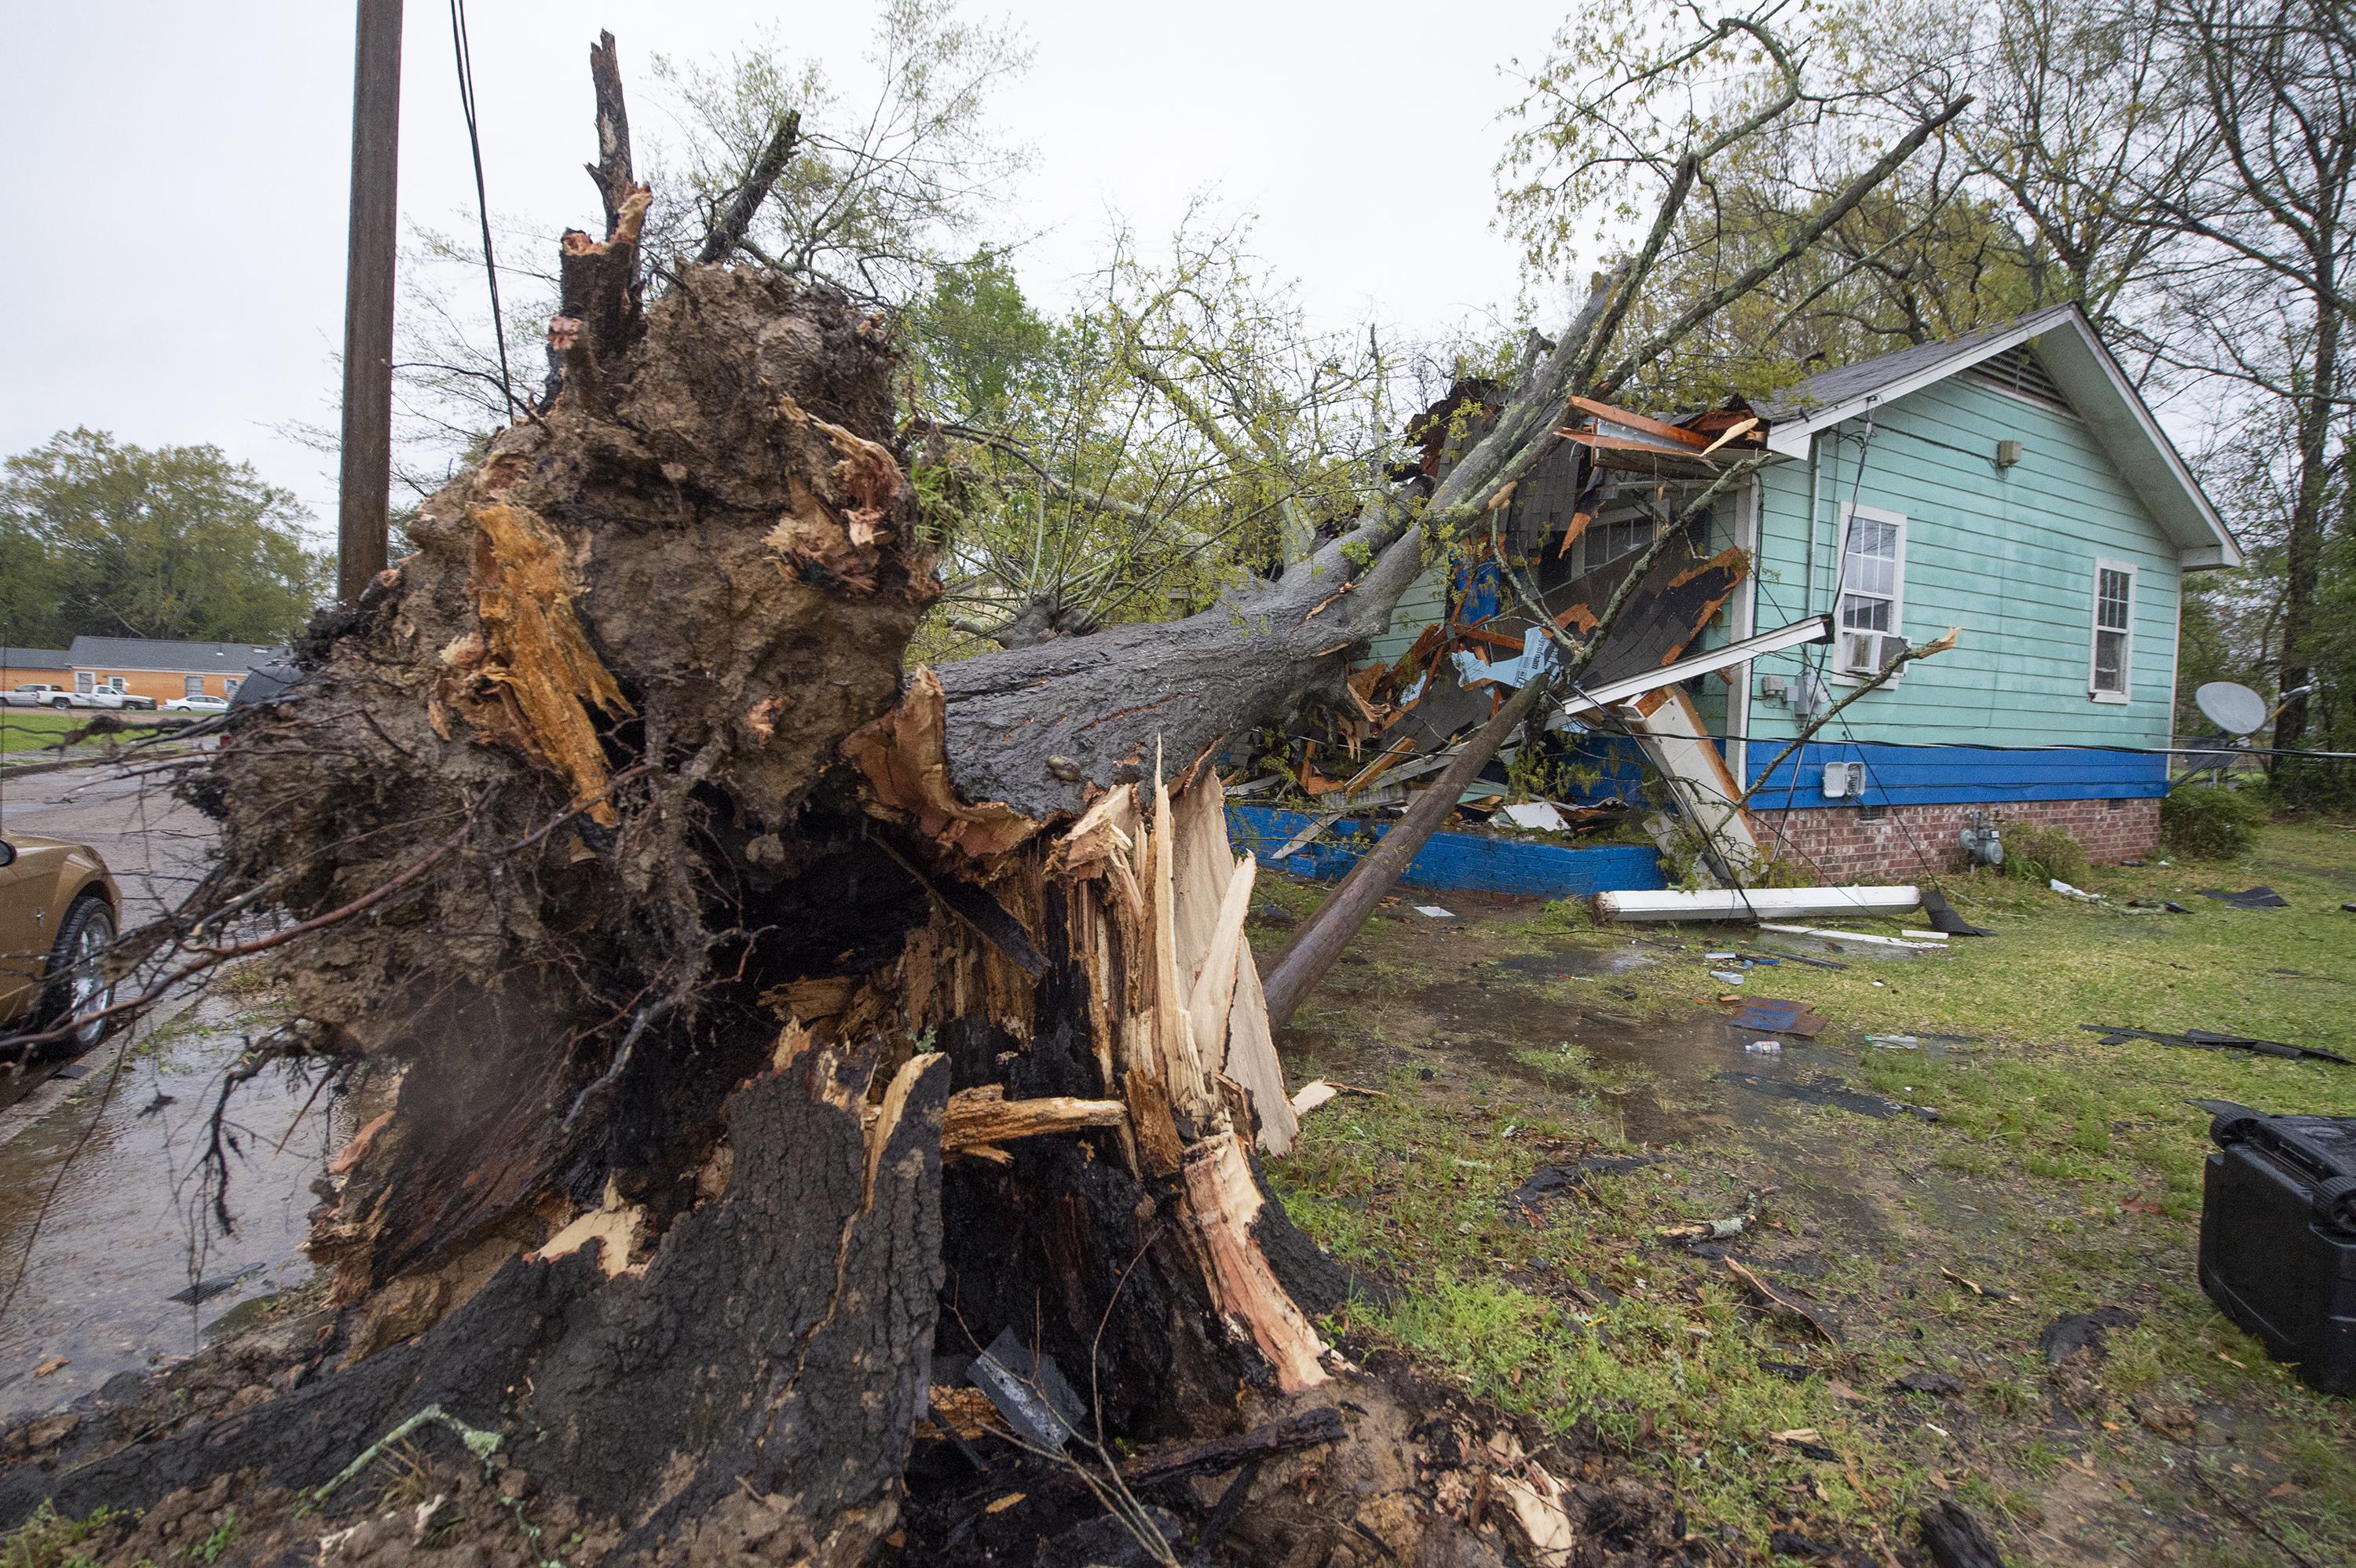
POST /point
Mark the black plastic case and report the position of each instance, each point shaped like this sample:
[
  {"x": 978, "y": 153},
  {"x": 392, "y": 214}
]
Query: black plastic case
[{"x": 2278, "y": 1236}]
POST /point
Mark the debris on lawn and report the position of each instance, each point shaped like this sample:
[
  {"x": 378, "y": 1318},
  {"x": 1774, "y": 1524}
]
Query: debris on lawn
[
  {"x": 1789, "y": 1306},
  {"x": 1944, "y": 918},
  {"x": 1029, "y": 1390},
  {"x": 1765, "y": 1048},
  {"x": 1956, "y": 1540},
  {"x": 1434, "y": 911},
  {"x": 1866, "y": 937},
  {"x": 1553, "y": 1181},
  {"x": 2203, "y": 1040},
  {"x": 1894, "y": 1041},
  {"x": 1978, "y": 1289},
  {"x": 2083, "y": 1333},
  {"x": 1727, "y": 977},
  {"x": 1756, "y": 903},
  {"x": 1805, "y": 1440},
  {"x": 1771, "y": 1015},
  {"x": 2248, "y": 898},
  {"x": 1318, "y": 1091},
  {"x": 2066, "y": 890},
  {"x": 1704, "y": 1230}
]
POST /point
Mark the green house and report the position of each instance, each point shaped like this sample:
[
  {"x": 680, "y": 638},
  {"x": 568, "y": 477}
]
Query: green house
[{"x": 2010, "y": 485}]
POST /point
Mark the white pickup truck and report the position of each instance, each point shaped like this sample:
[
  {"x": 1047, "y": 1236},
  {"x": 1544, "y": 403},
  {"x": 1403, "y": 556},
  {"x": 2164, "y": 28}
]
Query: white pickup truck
[{"x": 40, "y": 694}]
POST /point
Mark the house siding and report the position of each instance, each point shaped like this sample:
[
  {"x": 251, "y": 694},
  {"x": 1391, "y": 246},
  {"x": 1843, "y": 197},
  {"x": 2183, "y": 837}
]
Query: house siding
[{"x": 2007, "y": 557}]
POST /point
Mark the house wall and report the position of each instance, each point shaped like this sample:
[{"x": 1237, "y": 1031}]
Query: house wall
[
  {"x": 1899, "y": 843},
  {"x": 161, "y": 685},
  {"x": 2005, "y": 557}
]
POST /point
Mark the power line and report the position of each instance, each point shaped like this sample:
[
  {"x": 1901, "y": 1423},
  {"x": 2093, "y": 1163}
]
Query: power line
[{"x": 464, "y": 52}]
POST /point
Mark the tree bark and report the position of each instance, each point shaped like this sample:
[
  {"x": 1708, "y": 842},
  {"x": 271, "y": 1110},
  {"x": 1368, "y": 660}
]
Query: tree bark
[{"x": 2303, "y": 542}]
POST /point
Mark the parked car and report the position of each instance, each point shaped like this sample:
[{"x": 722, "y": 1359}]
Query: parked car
[
  {"x": 97, "y": 697},
  {"x": 132, "y": 699},
  {"x": 38, "y": 694},
  {"x": 58, "y": 912},
  {"x": 196, "y": 705}
]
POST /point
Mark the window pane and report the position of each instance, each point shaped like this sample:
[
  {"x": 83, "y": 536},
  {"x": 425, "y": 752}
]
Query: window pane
[
  {"x": 2110, "y": 661},
  {"x": 1861, "y": 614},
  {"x": 2111, "y": 590}
]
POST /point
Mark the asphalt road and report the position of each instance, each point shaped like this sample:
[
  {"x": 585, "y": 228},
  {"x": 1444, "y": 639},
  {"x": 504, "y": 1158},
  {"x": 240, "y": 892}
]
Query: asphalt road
[{"x": 155, "y": 845}]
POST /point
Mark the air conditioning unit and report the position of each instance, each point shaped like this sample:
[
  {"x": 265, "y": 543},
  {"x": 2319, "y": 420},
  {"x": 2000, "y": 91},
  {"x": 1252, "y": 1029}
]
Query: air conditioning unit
[{"x": 1869, "y": 652}]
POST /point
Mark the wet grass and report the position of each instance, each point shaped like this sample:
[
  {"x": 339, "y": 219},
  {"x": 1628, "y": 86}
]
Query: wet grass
[
  {"x": 26, "y": 733},
  {"x": 2063, "y": 1175}
]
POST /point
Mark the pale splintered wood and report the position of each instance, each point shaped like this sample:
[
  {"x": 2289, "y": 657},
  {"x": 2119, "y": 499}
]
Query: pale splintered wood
[
  {"x": 1214, "y": 977},
  {"x": 982, "y": 1118},
  {"x": 1182, "y": 1065},
  {"x": 1252, "y": 1061},
  {"x": 1199, "y": 880},
  {"x": 1221, "y": 1202}
]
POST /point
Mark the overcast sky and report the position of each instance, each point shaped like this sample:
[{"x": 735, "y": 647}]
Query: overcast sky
[{"x": 182, "y": 171}]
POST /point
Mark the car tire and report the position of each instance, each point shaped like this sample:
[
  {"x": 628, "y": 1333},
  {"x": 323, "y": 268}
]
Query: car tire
[
  {"x": 76, "y": 983},
  {"x": 60, "y": 703}
]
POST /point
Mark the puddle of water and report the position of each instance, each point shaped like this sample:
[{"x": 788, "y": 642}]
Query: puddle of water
[
  {"x": 129, "y": 1225},
  {"x": 1576, "y": 962}
]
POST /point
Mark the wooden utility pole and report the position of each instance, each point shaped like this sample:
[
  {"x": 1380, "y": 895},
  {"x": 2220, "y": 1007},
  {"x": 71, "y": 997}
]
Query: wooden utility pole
[{"x": 366, "y": 478}]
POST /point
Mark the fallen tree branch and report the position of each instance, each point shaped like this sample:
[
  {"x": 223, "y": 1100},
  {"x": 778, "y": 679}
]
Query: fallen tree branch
[
  {"x": 1320, "y": 941},
  {"x": 1881, "y": 679}
]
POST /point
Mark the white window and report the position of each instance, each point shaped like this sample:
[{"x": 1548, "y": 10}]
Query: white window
[
  {"x": 229, "y": 685},
  {"x": 1872, "y": 591},
  {"x": 192, "y": 686},
  {"x": 117, "y": 683},
  {"x": 85, "y": 682},
  {"x": 2112, "y": 667}
]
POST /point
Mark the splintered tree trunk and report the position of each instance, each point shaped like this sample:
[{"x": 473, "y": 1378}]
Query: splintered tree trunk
[{"x": 684, "y": 887}]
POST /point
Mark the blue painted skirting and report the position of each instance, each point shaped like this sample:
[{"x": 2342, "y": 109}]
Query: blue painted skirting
[
  {"x": 1471, "y": 862},
  {"x": 1940, "y": 776}
]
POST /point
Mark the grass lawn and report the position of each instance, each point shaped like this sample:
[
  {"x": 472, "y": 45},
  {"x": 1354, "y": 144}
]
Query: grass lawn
[
  {"x": 2062, "y": 1176},
  {"x": 29, "y": 730}
]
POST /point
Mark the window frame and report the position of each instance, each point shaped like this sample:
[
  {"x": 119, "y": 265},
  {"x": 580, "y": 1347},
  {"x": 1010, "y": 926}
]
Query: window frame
[
  {"x": 2094, "y": 630},
  {"x": 1850, "y": 511}
]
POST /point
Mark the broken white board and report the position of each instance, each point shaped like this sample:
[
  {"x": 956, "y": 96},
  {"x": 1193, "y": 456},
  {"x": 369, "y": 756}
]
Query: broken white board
[{"x": 1539, "y": 815}]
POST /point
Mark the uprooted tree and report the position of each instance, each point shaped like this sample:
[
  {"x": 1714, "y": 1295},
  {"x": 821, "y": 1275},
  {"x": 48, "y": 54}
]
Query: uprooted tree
[{"x": 764, "y": 1021}]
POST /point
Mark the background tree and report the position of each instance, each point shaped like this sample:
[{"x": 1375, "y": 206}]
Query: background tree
[
  {"x": 110, "y": 539},
  {"x": 2268, "y": 91},
  {"x": 1182, "y": 431}
]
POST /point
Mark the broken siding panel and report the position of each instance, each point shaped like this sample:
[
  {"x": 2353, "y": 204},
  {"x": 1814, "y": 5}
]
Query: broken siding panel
[
  {"x": 2007, "y": 557},
  {"x": 1425, "y": 601}
]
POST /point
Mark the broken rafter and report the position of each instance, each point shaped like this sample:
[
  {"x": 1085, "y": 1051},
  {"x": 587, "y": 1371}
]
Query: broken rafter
[{"x": 1607, "y": 413}]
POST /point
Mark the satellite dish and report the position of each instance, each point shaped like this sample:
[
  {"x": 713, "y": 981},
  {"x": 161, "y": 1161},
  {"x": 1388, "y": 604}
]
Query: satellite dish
[{"x": 2232, "y": 707}]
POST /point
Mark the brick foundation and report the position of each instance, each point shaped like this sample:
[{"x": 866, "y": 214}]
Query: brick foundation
[{"x": 1892, "y": 843}]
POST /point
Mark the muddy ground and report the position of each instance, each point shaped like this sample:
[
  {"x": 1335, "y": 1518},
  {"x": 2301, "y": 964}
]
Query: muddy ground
[
  {"x": 1998, "y": 1306},
  {"x": 2059, "y": 1180}
]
